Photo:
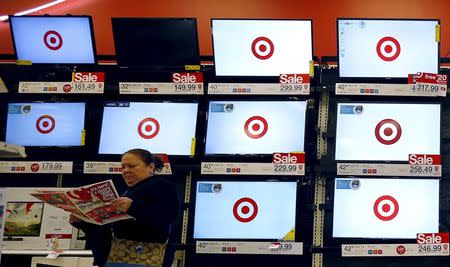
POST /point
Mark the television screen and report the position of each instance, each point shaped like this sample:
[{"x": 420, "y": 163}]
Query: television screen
[
  {"x": 251, "y": 47},
  {"x": 156, "y": 42},
  {"x": 53, "y": 39},
  {"x": 387, "y": 132},
  {"x": 255, "y": 127},
  {"x": 245, "y": 210},
  {"x": 166, "y": 128},
  {"x": 45, "y": 124},
  {"x": 385, "y": 208},
  {"x": 383, "y": 48},
  {"x": 23, "y": 219}
]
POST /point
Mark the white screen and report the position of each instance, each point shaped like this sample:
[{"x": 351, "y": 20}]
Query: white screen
[
  {"x": 288, "y": 50},
  {"x": 45, "y": 124},
  {"x": 258, "y": 127},
  {"x": 385, "y": 208},
  {"x": 371, "y": 132},
  {"x": 244, "y": 210},
  {"x": 53, "y": 39},
  {"x": 135, "y": 125},
  {"x": 365, "y": 52}
]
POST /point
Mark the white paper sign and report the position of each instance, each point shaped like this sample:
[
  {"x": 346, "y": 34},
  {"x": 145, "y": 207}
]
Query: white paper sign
[
  {"x": 389, "y": 169},
  {"x": 258, "y": 89},
  {"x": 394, "y": 250},
  {"x": 36, "y": 167},
  {"x": 272, "y": 248},
  {"x": 101, "y": 167},
  {"x": 234, "y": 168}
]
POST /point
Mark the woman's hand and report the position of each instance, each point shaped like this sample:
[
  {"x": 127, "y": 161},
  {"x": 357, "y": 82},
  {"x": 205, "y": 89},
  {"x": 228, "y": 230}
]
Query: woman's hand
[
  {"x": 73, "y": 219},
  {"x": 122, "y": 203}
]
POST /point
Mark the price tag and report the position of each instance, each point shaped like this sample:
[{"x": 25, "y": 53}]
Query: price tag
[
  {"x": 82, "y": 83},
  {"x": 294, "y": 83},
  {"x": 36, "y": 166},
  {"x": 232, "y": 168},
  {"x": 285, "y": 163},
  {"x": 101, "y": 167},
  {"x": 225, "y": 247},
  {"x": 394, "y": 250},
  {"x": 424, "y": 165},
  {"x": 183, "y": 83},
  {"x": 383, "y": 90},
  {"x": 424, "y": 84},
  {"x": 258, "y": 89},
  {"x": 388, "y": 169}
]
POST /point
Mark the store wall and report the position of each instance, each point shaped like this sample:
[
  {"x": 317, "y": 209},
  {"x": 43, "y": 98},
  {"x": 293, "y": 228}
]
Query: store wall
[{"x": 323, "y": 13}]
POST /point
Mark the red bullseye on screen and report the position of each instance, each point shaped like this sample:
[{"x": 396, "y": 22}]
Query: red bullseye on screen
[
  {"x": 53, "y": 40},
  {"x": 388, "y": 48},
  {"x": 386, "y": 208},
  {"x": 148, "y": 128},
  {"x": 245, "y": 210},
  {"x": 256, "y": 127},
  {"x": 388, "y": 131},
  {"x": 45, "y": 124},
  {"x": 262, "y": 48}
]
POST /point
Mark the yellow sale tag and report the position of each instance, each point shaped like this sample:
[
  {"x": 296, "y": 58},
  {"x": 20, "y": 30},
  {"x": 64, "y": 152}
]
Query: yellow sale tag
[
  {"x": 438, "y": 33},
  {"x": 192, "y": 67},
  {"x": 311, "y": 68},
  {"x": 193, "y": 142},
  {"x": 83, "y": 137},
  {"x": 24, "y": 62}
]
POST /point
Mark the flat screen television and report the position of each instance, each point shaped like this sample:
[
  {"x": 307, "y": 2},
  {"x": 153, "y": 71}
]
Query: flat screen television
[
  {"x": 255, "y": 127},
  {"x": 387, "y": 131},
  {"x": 385, "y": 208},
  {"x": 156, "y": 42},
  {"x": 45, "y": 124},
  {"x": 387, "y": 48},
  {"x": 54, "y": 39},
  {"x": 23, "y": 219},
  {"x": 245, "y": 210},
  {"x": 160, "y": 127},
  {"x": 261, "y": 47}
]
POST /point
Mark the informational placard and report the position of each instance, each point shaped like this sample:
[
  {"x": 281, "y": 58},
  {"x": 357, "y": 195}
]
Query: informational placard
[
  {"x": 387, "y": 90},
  {"x": 259, "y": 88},
  {"x": 375, "y": 169},
  {"x": 394, "y": 250},
  {"x": 271, "y": 248},
  {"x": 36, "y": 167},
  {"x": 252, "y": 168},
  {"x": 183, "y": 83},
  {"x": 81, "y": 83},
  {"x": 102, "y": 167}
]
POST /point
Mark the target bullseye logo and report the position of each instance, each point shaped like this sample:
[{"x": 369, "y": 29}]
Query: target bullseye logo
[
  {"x": 53, "y": 40},
  {"x": 388, "y": 48},
  {"x": 388, "y": 131},
  {"x": 45, "y": 124},
  {"x": 386, "y": 208},
  {"x": 148, "y": 128},
  {"x": 34, "y": 167},
  {"x": 245, "y": 210},
  {"x": 256, "y": 127},
  {"x": 262, "y": 48}
]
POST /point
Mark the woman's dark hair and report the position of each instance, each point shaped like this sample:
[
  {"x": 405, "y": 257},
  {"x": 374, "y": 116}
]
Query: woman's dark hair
[{"x": 147, "y": 157}]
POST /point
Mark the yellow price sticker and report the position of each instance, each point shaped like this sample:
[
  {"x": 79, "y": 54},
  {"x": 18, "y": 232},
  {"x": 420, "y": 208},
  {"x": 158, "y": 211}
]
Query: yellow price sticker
[
  {"x": 193, "y": 143},
  {"x": 83, "y": 137},
  {"x": 311, "y": 68},
  {"x": 438, "y": 33},
  {"x": 192, "y": 67},
  {"x": 24, "y": 62}
]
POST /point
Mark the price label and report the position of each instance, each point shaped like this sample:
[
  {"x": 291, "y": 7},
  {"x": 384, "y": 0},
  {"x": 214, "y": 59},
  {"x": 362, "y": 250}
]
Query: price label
[
  {"x": 294, "y": 83},
  {"x": 61, "y": 87},
  {"x": 424, "y": 165},
  {"x": 388, "y": 169},
  {"x": 285, "y": 163},
  {"x": 232, "y": 168},
  {"x": 225, "y": 247},
  {"x": 36, "y": 167},
  {"x": 387, "y": 89},
  {"x": 161, "y": 88},
  {"x": 258, "y": 89},
  {"x": 394, "y": 250},
  {"x": 101, "y": 167},
  {"x": 424, "y": 84}
]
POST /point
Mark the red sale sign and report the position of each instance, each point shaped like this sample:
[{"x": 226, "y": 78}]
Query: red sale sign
[
  {"x": 187, "y": 77},
  {"x": 88, "y": 77},
  {"x": 294, "y": 78},
  {"x": 288, "y": 158},
  {"x": 435, "y": 238},
  {"x": 423, "y": 159}
]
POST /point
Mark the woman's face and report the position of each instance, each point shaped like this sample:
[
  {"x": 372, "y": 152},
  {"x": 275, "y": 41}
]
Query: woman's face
[{"x": 134, "y": 169}]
